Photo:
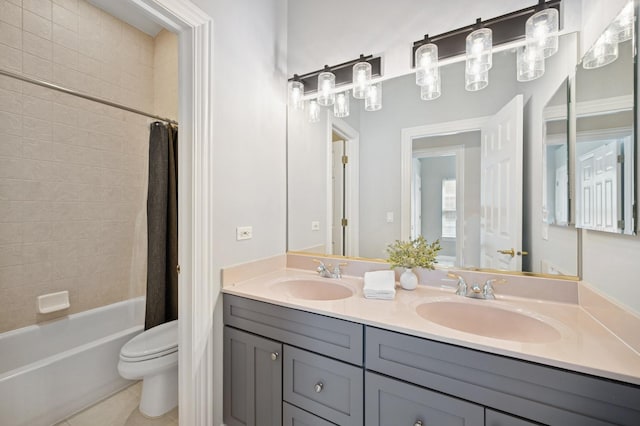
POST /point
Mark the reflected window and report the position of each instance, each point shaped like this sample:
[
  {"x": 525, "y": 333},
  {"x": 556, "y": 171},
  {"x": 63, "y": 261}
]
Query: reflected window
[{"x": 449, "y": 214}]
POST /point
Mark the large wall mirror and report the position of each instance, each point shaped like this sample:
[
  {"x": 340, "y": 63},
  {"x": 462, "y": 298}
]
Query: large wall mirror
[
  {"x": 415, "y": 167},
  {"x": 605, "y": 139}
]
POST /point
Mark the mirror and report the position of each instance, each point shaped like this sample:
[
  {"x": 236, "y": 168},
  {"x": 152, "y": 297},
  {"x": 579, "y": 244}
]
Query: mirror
[
  {"x": 555, "y": 184},
  {"x": 605, "y": 140},
  {"x": 416, "y": 167}
]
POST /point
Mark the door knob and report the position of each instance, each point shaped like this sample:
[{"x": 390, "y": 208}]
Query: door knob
[
  {"x": 510, "y": 252},
  {"x": 318, "y": 387},
  {"x": 523, "y": 253},
  {"x": 274, "y": 356},
  {"x": 418, "y": 423}
]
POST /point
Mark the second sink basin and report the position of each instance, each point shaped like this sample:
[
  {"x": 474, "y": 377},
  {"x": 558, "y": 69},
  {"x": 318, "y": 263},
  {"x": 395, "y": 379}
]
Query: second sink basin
[
  {"x": 489, "y": 321},
  {"x": 309, "y": 289}
]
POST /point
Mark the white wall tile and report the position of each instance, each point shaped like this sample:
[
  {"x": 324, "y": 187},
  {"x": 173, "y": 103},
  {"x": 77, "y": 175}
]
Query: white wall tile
[
  {"x": 37, "y": 67},
  {"x": 36, "y": 24},
  {"x": 10, "y": 146},
  {"x": 65, "y": 37},
  {"x": 10, "y": 101},
  {"x": 10, "y": 13},
  {"x": 65, "y": 18},
  {"x": 11, "y": 58},
  {"x": 10, "y": 123},
  {"x": 37, "y": 46},
  {"x": 39, "y": 7},
  {"x": 71, "y": 5},
  {"x": 10, "y": 35}
]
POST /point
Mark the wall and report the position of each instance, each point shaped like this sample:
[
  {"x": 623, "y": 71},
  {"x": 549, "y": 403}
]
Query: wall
[
  {"x": 165, "y": 75},
  {"x": 434, "y": 171},
  {"x": 72, "y": 172},
  {"x": 250, "y": 140}
]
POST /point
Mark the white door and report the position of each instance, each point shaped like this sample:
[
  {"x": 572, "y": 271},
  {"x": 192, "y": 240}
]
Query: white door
[
  {"x": 501, "y": 193},
  {"x": 416, "y": 200},
  {"x": 562, "y": 196},
  {"x": 338, "y": 199}
]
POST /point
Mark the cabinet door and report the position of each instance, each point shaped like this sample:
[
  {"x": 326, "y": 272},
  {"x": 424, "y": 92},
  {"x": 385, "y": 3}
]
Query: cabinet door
[
  {"x": 494, "y": 418},
  {"x": 252, "y": 380},
  {"x": 293, "y": 416},
  {"x": 391, "y": 402}
]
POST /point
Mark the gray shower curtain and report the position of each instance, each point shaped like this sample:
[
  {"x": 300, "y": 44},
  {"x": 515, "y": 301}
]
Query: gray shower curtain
[{"x": 162, "y": 226}]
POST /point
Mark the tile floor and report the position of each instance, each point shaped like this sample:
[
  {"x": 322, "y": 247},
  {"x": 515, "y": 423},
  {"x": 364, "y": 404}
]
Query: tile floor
[{"x": 120, "y": 409}]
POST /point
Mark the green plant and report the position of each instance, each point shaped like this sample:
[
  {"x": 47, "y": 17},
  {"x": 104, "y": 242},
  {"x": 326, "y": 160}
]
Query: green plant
[{"x": 413, "y": 253}]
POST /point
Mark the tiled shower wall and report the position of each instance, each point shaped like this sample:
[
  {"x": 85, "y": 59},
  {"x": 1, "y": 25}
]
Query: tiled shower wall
[{"x": 72, "y": 172}]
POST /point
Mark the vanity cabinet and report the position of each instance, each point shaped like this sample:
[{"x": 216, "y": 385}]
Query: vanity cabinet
[
  {"x": 324, "y": 374},
  {"x": 252, "y": 379}
]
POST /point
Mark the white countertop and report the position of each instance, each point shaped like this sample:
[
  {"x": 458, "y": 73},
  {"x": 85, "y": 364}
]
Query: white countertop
[{"x": 582, "y": 344}]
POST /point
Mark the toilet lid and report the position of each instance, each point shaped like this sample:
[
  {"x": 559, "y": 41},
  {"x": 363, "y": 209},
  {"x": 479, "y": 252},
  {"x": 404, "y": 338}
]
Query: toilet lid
[{"x": 153, "y": 343}]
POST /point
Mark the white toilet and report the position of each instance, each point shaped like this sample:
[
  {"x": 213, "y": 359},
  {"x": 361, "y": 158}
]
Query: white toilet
[{"x": 153, "y": 357}]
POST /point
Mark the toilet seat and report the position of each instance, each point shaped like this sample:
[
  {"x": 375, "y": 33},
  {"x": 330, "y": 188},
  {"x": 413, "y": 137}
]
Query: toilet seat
[{"x": 156, "y": 342}]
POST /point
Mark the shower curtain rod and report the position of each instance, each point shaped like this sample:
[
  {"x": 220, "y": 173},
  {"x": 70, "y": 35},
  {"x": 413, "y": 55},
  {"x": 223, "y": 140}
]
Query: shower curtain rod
[{"x": 81, "y": 95}]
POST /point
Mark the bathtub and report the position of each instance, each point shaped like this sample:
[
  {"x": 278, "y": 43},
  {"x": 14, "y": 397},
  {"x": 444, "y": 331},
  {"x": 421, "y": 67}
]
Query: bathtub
[{"x": 51, "y": 371}]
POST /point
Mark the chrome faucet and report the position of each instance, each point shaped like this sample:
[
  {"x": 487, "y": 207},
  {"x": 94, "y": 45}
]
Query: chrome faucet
[
  {"x": 326, "y": 272},
  {"x": 475, "y": 291}
]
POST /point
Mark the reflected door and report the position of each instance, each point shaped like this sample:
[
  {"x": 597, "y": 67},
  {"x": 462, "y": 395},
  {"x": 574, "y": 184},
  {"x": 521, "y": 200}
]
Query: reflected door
[
  {"x": 501, "y": 194},
  {"x": 339, "y": 221}
]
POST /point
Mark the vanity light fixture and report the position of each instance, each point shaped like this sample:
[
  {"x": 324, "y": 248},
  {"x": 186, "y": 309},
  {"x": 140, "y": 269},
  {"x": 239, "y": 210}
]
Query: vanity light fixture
[
  {"x": 431, "y": 89},
  {"x": 529, "y": 62},
  {"x": 426, "y": 60},
  {"x": 326, "y": 87},
  {"x": 373, "y": 100},
  {"x": 623, "y": 25},
  {"x": 296, "y": 91},
  {"x": 603, "y": 52},
  {"x": 542, "y": 28},
  {"x": 341, "y": 106},
  {"x": 361, "y": 78},
  {"x": 313, "y": 112},
  {"x": 476, "y": 80}
]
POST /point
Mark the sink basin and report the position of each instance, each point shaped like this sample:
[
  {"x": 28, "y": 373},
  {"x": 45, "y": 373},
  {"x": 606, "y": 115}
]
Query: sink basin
[
  {"x": 489, "y": 321},
  {"x": 314, "y": 289}
]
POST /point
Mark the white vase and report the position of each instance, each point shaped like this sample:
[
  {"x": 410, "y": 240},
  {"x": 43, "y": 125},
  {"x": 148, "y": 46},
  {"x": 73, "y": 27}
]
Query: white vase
[{"x": 408, "y": 279}]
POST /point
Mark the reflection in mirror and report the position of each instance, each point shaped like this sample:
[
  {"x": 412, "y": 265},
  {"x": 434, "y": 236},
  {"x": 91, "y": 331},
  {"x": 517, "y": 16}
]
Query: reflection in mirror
[
  {"x": 556, "y": 158},
  {"x": 605, "y": 143},
  {"x": 416, "y": 167}
]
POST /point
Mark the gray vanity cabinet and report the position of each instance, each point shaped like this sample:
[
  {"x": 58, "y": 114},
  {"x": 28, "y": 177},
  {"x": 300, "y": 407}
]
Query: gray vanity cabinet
[
  {"x": 391, "y": 402},
  {"x": 494, "y": 418},
  {"x": 252, "y": 380},
  {"x": 294, "y": 416}
]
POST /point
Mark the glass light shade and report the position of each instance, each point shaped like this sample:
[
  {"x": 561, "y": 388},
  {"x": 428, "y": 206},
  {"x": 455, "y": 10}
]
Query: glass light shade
[
  {"x": 313, "y": 112},
  {"x": 541, "y": 29},
  {"x": 530, "y": 62},
  {"x": 479, "y": 47},
  {"x": 603, "y": 52},
  {"x": 341, "y": 107},
  {"x": 296, "y": 91},
  {"x": 474, "y": 81},
  {"x": 326, "y": 85},
  {"x": 426, "y": 62},
  {"x": 431, "y": 89},
  {"x": 361, "y": 79},
  {"x": 623, "y": 25},
  {"x": 373, "y": 100}
]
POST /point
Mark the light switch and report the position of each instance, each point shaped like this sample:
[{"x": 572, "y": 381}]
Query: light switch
[{"x": 389, "y": 217}]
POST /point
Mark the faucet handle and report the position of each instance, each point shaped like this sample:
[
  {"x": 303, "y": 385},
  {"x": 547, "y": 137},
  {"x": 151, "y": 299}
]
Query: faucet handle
[
  {"x": 337, "y": 273},
  {"x": 487, "y": 289},
  {"x": 462, "y": 284}
]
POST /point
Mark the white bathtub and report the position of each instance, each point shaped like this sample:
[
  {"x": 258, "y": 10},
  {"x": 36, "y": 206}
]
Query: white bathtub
[{"x": 50, "y": 371}]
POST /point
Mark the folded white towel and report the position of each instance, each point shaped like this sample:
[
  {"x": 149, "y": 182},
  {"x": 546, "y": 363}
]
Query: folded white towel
[{"x": 379, "y": 285}]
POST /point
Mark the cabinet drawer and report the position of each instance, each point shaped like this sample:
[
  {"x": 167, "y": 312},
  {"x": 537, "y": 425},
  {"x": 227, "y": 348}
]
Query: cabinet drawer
[
  {"x": 325, "y": 335},
  {"x": 543, "y": 394},
  {"x": 494, "y": 418},
  {"x": 330, "y": 389},
  {"x": 293, "y": 416},
  {"x": 390, "y": 402}
]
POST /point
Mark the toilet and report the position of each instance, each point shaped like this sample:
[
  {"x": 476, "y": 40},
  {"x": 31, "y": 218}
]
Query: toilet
[{"x": 153, "y": 357}]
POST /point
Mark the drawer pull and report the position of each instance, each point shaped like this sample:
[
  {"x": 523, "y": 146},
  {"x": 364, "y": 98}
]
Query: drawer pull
[
  {"x": 418, "y": 423},
  {"x": 274, "y": 356},
  {"x": 318, "y": 387}
]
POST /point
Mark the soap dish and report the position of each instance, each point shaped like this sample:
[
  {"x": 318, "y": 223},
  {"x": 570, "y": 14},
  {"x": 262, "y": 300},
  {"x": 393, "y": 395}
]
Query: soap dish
[{"x": 53, "y": 302}]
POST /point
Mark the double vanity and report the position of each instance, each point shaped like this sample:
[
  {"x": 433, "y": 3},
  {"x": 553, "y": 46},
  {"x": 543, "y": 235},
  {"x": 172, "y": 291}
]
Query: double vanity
[{"x": 300, "y": 349}]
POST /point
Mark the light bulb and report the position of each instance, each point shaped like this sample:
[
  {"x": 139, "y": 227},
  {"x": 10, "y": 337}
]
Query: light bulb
[
  {"x": 623, "y": 25},
  {"x": 431, "y": 89},
  {"x": 479, "y": 49},
  {"x": 603, "y": 52},
  {"x": 373, "y": 100},
  {"x": 530, "y": 62},
  {"x": 426, "y": 62},
  {"x": 341, "y": 106},
  {"x": 476, "y": 80},
  {"x": 541, "y": 29},
  {"x": 296, "y": 91},
  {"x": 326, "y": 85},
  {"x": 313, "y": 113},
  {"x": 361, "y": 79}
]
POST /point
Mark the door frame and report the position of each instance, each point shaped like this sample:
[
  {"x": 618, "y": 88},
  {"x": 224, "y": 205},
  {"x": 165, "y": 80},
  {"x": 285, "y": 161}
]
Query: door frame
[
  {"x": 407, "y": 136},
  {"x": 352, "y": 185},
  {"x": 458, "y": 151},
  {"x": 198, "y": 287}
]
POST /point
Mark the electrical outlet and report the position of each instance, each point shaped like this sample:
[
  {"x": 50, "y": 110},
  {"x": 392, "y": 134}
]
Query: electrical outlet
[
  {"x": 244, "y": 233},
  {"x": 315, "y": 225}
]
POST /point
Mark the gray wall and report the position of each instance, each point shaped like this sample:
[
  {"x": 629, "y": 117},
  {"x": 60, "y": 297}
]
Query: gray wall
[{"x": 434, "y": 171}]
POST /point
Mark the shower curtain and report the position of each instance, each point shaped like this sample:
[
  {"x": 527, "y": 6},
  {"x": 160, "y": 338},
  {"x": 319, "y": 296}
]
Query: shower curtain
[{"x": 162, "y": 226}]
